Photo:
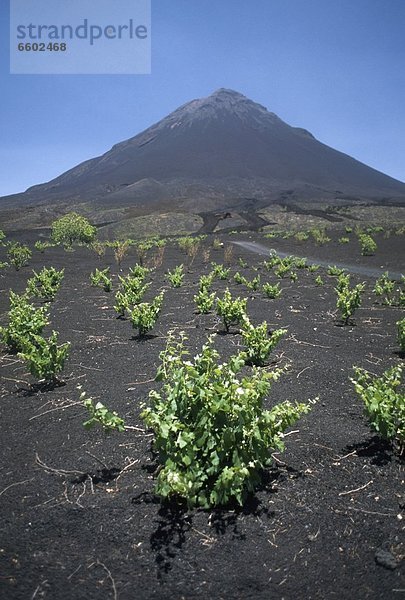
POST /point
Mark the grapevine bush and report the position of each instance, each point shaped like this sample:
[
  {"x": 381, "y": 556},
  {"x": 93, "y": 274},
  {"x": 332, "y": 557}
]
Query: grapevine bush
[
  {"x": 212, "y": 433},
  {"x": 384, "y": 402}
]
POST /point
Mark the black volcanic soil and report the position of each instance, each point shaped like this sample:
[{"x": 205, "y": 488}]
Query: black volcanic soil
[{"x": 79, "y": 517}]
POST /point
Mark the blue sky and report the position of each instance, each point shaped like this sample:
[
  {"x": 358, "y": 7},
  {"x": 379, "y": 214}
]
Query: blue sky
[{"x": 335, "y": 67}]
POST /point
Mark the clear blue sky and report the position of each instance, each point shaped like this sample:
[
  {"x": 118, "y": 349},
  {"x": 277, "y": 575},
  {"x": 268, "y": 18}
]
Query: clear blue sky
[{"x": 335, "y": 67}]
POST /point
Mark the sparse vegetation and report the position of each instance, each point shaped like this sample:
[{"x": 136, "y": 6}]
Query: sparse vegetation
[{"x": 45, "y": 284}]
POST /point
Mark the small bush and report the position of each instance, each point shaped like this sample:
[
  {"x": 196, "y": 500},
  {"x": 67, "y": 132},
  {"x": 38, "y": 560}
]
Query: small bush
[
  {"x": 45, "y": 284},
  {"x": 18, "y": 255},
  {"x": 25, "y": 321},
  {"x": 384, "y": 403},
  {"x": 385, "y": 287},
  {"x": 348, "y": 300},
  {"x": 232, "y": 310},
  {"x": 259, "y": 344},
  {"x": 101, "y": 278},
  {"x": 272, "y": 291},
  {"x": 220, "y": 271},
  {"x": 176, "y": 276},
  {"x": 144, "y": 315},
  {"x": 72, "y": 229},
  {"x": 204, "y": 300},
  {"x": 367, "y": 244},
  {"x": 44, "y": 357},
  {"x": 212, "y": 433},
  {"x": 100, "y": 415}
]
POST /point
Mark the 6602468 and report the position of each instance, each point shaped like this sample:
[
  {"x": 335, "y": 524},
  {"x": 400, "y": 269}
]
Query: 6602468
[{"x": 42, "y": 47}]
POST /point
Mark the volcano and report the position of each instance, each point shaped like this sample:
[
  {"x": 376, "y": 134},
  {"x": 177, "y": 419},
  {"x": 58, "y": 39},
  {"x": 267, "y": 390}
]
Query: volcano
[{"x": 221, "y": 152}]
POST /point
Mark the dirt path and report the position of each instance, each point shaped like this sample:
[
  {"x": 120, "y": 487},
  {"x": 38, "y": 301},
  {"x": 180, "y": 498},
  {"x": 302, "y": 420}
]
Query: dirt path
[{"x": 358, "y": 269}]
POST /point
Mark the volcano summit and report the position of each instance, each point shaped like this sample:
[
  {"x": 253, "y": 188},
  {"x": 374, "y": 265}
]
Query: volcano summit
[{"x": 223, "y": 152}]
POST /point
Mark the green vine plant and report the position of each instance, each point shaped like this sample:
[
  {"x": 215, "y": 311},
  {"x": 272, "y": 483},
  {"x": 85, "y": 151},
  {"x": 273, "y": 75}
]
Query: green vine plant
[
  {"x": 368, "y": 245},
  {"x": 131, "y": 292},
  {"x": 212, "y": 434},
  {"x": 25, "y": 321},
  {"x": 100, "y": 415},
  {"x": 101, "y": 278},
  {"x": 176, "y": 276},
  {"x": 386, "y": 289},
  {"x": 231, "y": 310},
  {"x": 204, "y": 300},
  {"x": 348, "y": 299},
  {"x": 144, "y": 316},
  {"x": 258, "y": 343},
  {"x": 45, "y": 284},
  {"x": 219, "y": 271},
  {"x": 44, "y": 357},
  {"x": 272, "y": 291},
  {"x": 384, "y": 403},
  {"x": 18, "y": 255}
]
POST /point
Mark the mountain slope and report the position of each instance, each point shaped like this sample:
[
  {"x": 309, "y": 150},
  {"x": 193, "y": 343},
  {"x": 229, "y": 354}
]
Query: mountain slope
[{"x": 219, "y": 150}]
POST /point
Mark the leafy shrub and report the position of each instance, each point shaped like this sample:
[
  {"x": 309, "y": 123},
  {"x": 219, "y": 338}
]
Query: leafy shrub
[
  {"x": 220, "y": 271},
  {"x": 343, "y": 240},
  {"x": 367, "y": 244},
  {"x": 206, "y": 281},
  {"x": 204, "y": 300},
  {"x": 212, "y": 434},
  {"x": 2, "y": 237},
  {"x": 293, "y": 276},
  {"x": 401, "y": 333},
  {"x": 176, "y": 276},
  {"x": 259, "y": 344},
  {"x": 242, "y": 263},
  {"x": 42, "y": 246},
  {"x": 385, "y": 287},
  {"x": 272, "y": 291},
  {"x": 282, "y": 270},
  {"x": 232, "y": 310},
  {"x": 343, "y": 282},
  {"x": 313, "y": 268},
  {"x": 25, "y": 322},
  {"x": 46, "y": 283},
  {"x": 4, "y": 265},
  {"x": 144, "y": 315},
  {"x": 72, "y": 229},
  {"x": 335, "y": 271},
  {"x": 348, "y": 300},
  {"x": 121, "y": 249},
  {"x": 44, "y": 357},
  {"x": 348, "y": 229},
  {"x": 138, "y": 272},
  {"x": 18, "y": 255},
  {"x": 319, "y": 236},
  {"x": 100, "y": 415},
  {"x": 102, "y": 278},
  {"x": 131, "y": 292},
  {"x": 384, "y": 402},
  {"x": 300, "y": 263},
  {"x": 252, "y": 285},
  {"x": 319, "y": 280},
  {"x": 99, "y": 248}
]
